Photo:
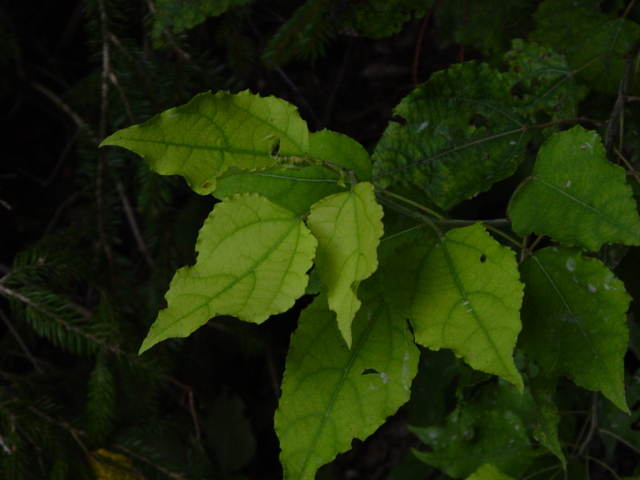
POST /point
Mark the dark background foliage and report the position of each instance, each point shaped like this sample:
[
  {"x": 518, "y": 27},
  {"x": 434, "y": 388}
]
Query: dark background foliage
[{"x": 89, "y": 238}]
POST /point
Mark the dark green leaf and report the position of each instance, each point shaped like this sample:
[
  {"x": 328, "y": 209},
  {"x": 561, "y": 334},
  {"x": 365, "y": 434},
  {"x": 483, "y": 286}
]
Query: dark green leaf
[
  {"x": 453, "y": 156},
  {"x": 573, "y": 318}
]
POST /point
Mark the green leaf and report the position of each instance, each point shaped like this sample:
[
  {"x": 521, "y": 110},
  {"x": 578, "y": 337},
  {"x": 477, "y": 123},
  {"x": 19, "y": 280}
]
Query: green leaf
[
  {"x": 348, "y": 227},
  {"x": 457, "y": 135},
  {"x": 543, "y": 82},
  {"x": 297, "y": 190},
  {"x": 461, "y": 291},
  {"x": 183, "y": 14},
  {"x": 332, "y": 393},
  {"x": 594, "y": 43},
  {"x": 252, "y": 262},
  {"x": 381, "y": 18},
  {"x": 574, "y": 320},
  {"x": 204, "y": 138},
  {"x": 343, "y": 150},
  {"x": 489, "y": 472},
  {"x": 575, "y": 195},
  {"x": 543, "y": 390},
  {"x": 490, "y": 428}
]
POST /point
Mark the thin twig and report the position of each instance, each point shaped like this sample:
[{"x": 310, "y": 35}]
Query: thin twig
[
  {"x": 416, "y": 55},
  {"x": 133, "y": 223},
  {"x": 613, "y": 126},
  {"x": 77, "y": 119},
  {"x": 18, "y": 338},
  {"x": 301, "y": 99}
]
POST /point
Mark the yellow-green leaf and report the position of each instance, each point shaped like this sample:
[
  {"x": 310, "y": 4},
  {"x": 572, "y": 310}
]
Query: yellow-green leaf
[
  {"x": 204, "y": 138},
  {"x": 348, "y": 227},
  {"x": 463, "y": 292},
  {"x": 252, "y": 261},
  {"x": 332, "y": 394}
]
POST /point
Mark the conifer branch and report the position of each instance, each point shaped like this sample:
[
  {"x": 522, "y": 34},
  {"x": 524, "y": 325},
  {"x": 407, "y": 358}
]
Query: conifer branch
[{"x": 23, "y": 345}]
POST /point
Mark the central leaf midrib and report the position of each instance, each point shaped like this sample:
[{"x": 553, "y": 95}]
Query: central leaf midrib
[
  {"x": 255, "y": 265},
  {"x": 355, "y": 350}
]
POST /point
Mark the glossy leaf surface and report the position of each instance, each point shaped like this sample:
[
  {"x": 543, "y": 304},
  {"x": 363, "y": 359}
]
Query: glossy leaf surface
[
  {"x": 332, "y": 393},
  {"x": 462, "y": 292},
  {"x": 252, "y": 262},
  {"x": 348, "y": 227},
  {"x": 574, "y": 320},
  {"x": 575, "y": 195}
]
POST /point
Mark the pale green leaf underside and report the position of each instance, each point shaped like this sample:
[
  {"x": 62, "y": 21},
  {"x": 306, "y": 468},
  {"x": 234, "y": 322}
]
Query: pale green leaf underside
[
  {"x": 348, "y": 227},
  {"x": 456, "y": 138},
  {"x": 252, "y": 262},
  {"x": 332, "y": 393},
  {"x": 202, "y": 139},
  {"x": 575, "y": 195},
  {"x": 461, "y": 292},
  {"x": 298, "y": 189},
  {"x": 574, "y": 320},
  {"x": 489, "y": 472}
]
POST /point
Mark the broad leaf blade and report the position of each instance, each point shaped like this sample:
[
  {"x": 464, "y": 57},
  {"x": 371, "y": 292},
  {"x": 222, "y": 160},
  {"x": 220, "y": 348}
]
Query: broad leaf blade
[
  {"x": 295, "y": 190},
  {"x": 574, "y": 320},
  {"x": 348, "y": 227},
  {"x": 575, "y": 195},
  {"x": 332, "y": 393},
  {"x": 298, "y": 189},
  {"x": 181, "y": 14},
  {"x": 489, "y": 472},
  {"x": 490, "y": 428},
  {"x": 543, "y": 82},
  {"x": 595, "y": 43},
  {"x": 462, "y": 292},
  {"x": 453, "y": 157},
  {"x": 543, "y": 390},
  {"x": 252, "y": 262},
  {"x": 204, "y": 138}
]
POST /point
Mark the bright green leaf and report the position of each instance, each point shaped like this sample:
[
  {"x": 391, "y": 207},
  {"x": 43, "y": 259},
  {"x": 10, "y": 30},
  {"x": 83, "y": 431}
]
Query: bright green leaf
[
  {"x": 348, "y": 227},
  {"x": 543, "y": 390},
  {"x": 489, "y": 472},
  {"x": 455, "y": 136},
  {"x": 462, "y": 292},
  {"x": 297, "y": 190},
  {"x": 542, "y": 81},
  {"x": 490, "y": 428},
  {"x": 252, "y": 262},
  {"x": 575, "y": 195},
  {"x": 332, "y": 393},
  {"x": 204, "y": 138},
  {"x": 588, "y": 38},
  {"x": 573, "y": 318}
]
